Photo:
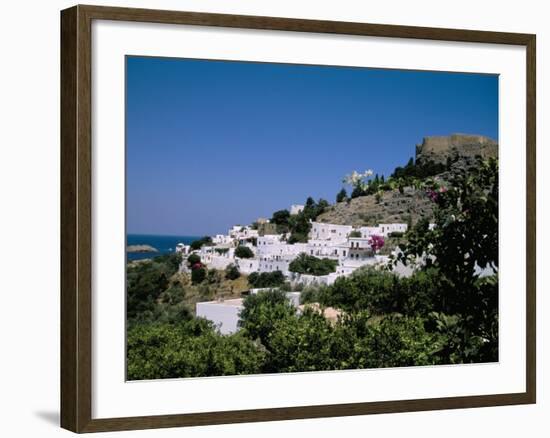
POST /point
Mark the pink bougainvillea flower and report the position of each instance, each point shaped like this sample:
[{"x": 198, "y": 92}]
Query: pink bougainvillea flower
[{"x": 376, "y": 242}]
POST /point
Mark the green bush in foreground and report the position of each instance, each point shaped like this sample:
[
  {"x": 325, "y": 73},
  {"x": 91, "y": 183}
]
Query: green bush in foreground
[{"x": 189, "y": 349}]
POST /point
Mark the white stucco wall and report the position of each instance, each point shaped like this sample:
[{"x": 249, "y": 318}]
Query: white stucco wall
[{"x": 225, "y": 314}]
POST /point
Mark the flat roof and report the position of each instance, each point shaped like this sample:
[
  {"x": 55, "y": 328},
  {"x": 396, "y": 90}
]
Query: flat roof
[{"x": 235, "y": 302}]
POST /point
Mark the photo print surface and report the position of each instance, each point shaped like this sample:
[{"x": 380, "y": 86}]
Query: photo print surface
[{"x": 299, "y": 218}]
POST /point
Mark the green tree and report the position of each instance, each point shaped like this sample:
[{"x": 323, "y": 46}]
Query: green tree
[
  {"x": 198, "y": 275},
  {"x": 261, "y": 312},
  {"x": 464, "y": 242},
  {"x": 307, "y": 264},
  {"x": 266, "y": 279},
  {"x": 342, "y": 196},
  {"x": 198, "y": 244},
  {"x": 280, "y": 217},
  {"x": 243, "y": 252},
  {"x": 232, "y": 272},
  {"x": 193, "y": 259},
  {"x": 146, "y": 280},
  {"x": 189, "y": 349}
]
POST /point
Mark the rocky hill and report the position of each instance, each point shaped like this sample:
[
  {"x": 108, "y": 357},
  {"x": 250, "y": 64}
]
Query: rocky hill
[
  {"x": 412, "y": 205},
  {"x": 394, "y": 207}
]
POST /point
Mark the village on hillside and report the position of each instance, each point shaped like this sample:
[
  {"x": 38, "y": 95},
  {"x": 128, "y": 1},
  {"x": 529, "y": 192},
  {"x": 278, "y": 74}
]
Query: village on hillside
[{"x": 260, "y": 249}]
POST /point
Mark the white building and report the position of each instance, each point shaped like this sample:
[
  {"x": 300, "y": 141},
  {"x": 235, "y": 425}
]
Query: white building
[
  {"x": 247, "y": 266},
  {"x": 240, "y": 233},
  {"x": 392, "y": 228},
  {"x": 335, "y": 249},
  {"x": 274, "y": 263},
  {"x": 367, "y": 232},
  {"x": 183, "y": 249},
  {"x": 324, "y": 231},
  {"x": 224, "y": 314},
  {"x": 273, "y": 245},
  {"x": 222, "y": 239},
  {"x": 273, "y": 253}
]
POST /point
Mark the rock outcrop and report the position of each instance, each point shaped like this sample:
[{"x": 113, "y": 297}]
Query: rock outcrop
[{"x": 140, "y": 248}]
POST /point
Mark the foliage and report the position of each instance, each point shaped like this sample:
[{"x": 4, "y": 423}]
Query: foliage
[
  {"x": 146, "y": 280},
  {"x": 465, "y": 236},
  {"x": 307, "y": 264},
  {"x": 463, "y": 242},
  {"x": 193, "y": 259},
  {"x": 355, "y": 233},
  {"x": 342, "y": 196},
  {"x": 232, "y": 272},
  {"x": 396, "y": 234},
  {"x": 198, "y": 244},
  {"x": 188, "y": 349},
  {"x": 298, "y": 225},
  {"x": 261, "y": 311},
  {"x": 266, "y": 279},
  {"x": 198, "y": 274},
  {"x": 243, "y": 252},
  {"x": 381, "y": 292},
  {"x": 393, "y": 341},
  {"x": 421, "y": 171},
  {"x": 280, "y": 217}
]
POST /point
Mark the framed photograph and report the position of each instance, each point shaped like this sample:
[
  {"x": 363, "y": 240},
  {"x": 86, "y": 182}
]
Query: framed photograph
[{"x": 270, "y": 218}]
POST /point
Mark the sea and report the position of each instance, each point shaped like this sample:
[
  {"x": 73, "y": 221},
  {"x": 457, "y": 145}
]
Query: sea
[{"x": 164, "y": 244}]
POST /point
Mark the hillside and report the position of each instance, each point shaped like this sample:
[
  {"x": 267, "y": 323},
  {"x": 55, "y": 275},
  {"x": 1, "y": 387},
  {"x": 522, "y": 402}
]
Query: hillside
[
  {"x": 459, "y": 151},
  {"x": 365, "y": 211}
]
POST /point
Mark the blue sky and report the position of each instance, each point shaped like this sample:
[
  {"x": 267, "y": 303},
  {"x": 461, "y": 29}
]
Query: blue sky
[{"x": 213, "y": 143}]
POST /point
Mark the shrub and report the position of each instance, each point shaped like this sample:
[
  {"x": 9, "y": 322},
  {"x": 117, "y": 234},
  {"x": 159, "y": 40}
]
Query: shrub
[
  {"x": 198, "y": 274},
  {"x": 197, "y": 244},
  {"x": 342, "y": 196},
  {"x": 396, "y": 234},
  {"x": 232, "y": 272},
  {"x": 261, "y": 311},
  {"x": 190, "y": 349},
  {"x": 306, "y": 264},
  {"x": 193, "y": 259},
  {"x": 243, "y": 252},
  {"x": 266, "y": 279}
]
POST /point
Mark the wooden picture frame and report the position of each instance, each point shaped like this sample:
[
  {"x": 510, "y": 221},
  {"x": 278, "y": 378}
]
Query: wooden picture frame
[{"x": 76, "y": 218}]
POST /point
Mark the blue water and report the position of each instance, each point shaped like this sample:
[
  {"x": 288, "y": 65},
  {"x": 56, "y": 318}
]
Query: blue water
[{"x": 164, "y": 244}]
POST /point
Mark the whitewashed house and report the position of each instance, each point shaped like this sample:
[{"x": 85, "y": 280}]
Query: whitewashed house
[
  {"x": 183, "y": 249},
  {"x": 222, "y": 239},
  {"x": 223, "y": 313},
  {"x": 367, "y": 232},
  {"x": 247, "y": 266},
  {"x": 240, "y": 233},
  {"x": 274, "y": 263},
  {"x": 392, "y": 228},
  {"x": 324, "y": 231}
]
